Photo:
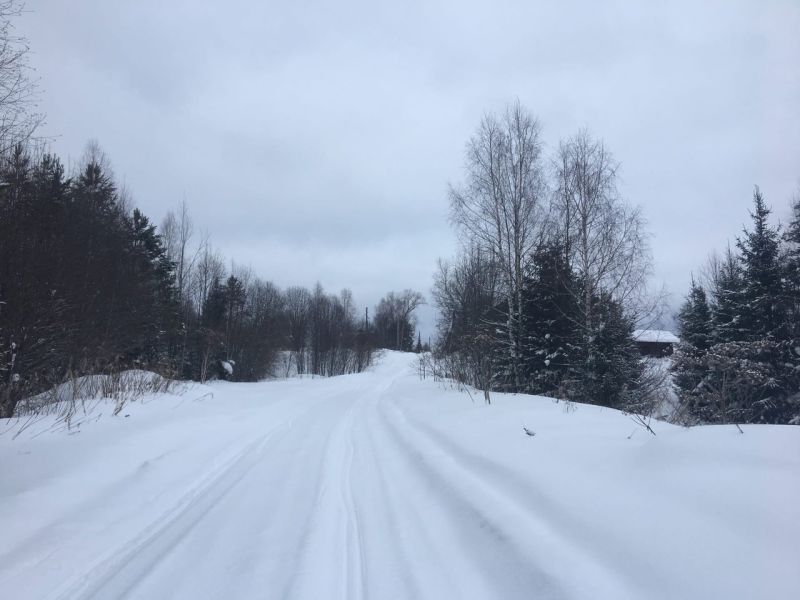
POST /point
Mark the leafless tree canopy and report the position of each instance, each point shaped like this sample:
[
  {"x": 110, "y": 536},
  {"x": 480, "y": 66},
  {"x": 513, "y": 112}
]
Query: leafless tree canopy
[
  {"x": 177, "y": 231},
  {"x": 501, "y": 205},
  {"x": 501, "y": 208},
  {"x": 604, "y": 236},
  {"x": 18, "y": 91},
  {"x": 553, "y": 270},
  {"x": 395, "y": 320}
]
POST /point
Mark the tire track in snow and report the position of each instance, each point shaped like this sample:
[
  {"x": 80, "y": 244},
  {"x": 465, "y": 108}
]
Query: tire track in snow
[
  {"x": 355, "y": 559},
  {"x": 257, "y": 539},
  {"x": 59, "y": 535},
  {"x": 132, "y": 559},
  {"x": 120, "y": 571},
  {"x": 532, "y": 537},
  {"x": 390, "y": 512},
  {"x": 329, "y": 553},
  {"x": 493, "y": 549},
  {"x": 583, "y": 534}
]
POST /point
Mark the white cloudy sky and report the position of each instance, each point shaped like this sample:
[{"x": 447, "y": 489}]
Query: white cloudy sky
[{"x": 315, "y": 140}]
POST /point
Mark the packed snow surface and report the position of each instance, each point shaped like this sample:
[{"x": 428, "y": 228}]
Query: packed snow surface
[{"x": 383, "y": 486}]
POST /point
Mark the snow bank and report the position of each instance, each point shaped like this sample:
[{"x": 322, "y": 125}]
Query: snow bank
[
  {"x": 125, "y": 385},
  {"x": 380, "y": 485},
  {"x": 668, "y": 403}
]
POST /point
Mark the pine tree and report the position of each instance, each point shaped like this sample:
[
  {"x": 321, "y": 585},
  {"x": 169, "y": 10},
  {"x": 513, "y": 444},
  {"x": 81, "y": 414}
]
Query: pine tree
[
  {"x": 84, "y": 287},
  {"x": 155, "y": 304},
  {"x": 727, "y": 301},
  {"x": 235, "y": 296},
  {"x": 750, "y": 371},
  {"x": 791, "y": 273},
  {"x": 694, "y": 323},
  {"x": 96, "y": 188},
  {"x": 614, "y": 365},
  {"x": 213, "y": 313},
  {"x": 694, "y": 319},
  {"x": 763, "y": 288},
  {"x": 550, "y": 313},
  {"x": 98, "y": 249}
]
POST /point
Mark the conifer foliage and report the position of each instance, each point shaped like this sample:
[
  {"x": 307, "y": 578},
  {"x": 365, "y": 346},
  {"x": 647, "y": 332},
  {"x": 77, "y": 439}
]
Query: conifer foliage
[
  {"x": 739, "y": 357},
  {"x": 760, "y": 311},
  {"x": 544, "y": 296},
  {"x": 549, "y": 344},
  {"x": 89, "y": 285},
  {"x": 85, "y": 286}
]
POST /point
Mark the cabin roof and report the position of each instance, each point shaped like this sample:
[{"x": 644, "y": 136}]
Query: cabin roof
[{"x": 657, "y": 336}]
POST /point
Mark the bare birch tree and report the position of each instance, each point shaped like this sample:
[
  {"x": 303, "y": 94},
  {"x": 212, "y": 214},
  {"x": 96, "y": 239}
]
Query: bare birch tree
[
  {"x": 465, "y": 294},
  {"x": 395, "y": 320},
  {"x": 18, "y": 116},
  {"x": 501, "y": 206},
  {"x": 297, "y": 302},
  {"x": 176, "y": 231},
  {"x": 603, "y": 235},
  {"x": 209, "y": 268}
]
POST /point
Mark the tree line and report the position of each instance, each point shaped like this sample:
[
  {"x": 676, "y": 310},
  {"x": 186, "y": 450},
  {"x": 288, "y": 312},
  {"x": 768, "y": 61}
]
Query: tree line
[
  {"x": 89, "y": 284},
  {"x": 543, "y": 296},
  {"x": 551, "y": 280},
  {"x": 739, "y": 357},
  {"x": 551, "y": 277}
]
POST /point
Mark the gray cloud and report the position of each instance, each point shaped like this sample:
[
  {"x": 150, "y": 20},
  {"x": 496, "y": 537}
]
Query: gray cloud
[{"x": 315, "y": 140}]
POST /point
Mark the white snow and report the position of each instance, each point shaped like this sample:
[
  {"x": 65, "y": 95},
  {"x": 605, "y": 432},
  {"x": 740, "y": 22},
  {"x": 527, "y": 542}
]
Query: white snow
[
  {"x": 655, "y": 335},
  {"x": 121, "y": 386},
  {"x": 383, "y": 486}
]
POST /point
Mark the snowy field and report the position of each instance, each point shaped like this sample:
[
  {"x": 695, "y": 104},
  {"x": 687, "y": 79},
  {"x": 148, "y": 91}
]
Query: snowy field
[{"x": 383, "y": 486}]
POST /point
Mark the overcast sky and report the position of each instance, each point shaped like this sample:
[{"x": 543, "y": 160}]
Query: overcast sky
[{"x": 315, "y": 140}]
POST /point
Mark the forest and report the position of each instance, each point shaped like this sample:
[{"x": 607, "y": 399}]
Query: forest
[
  {"x": 552, "y": 280},
  {"x": 553, "y": 275},
  {"x": 89, "y": 285},
  {"x": 373, "y": 300}
]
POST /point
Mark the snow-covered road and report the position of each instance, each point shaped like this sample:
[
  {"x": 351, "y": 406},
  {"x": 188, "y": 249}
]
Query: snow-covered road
[{"x": 380, "y": 485}]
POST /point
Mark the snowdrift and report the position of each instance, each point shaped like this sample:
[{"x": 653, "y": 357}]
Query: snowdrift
[{"x": 380, "y": 485}]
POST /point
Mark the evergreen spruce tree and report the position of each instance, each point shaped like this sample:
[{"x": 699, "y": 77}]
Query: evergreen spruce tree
[
  {"x": 213, "y": 312},
  {"x": 727, "y": 303},
  {"x": 750, "y": 371},
  {"x": 694, "y": 318},
  {"x": 694, "y": 326},
  {"x": 98, "y": 247},
  {"x": 791, "y": 274},
  {"x": 763, "y": 288},
  {"x": 210, "y": 339},
  {"x": 235, "y": 296},
  {"x": 96, "y": 189},
  {"x": 614, "y": 365},
  {"x": 155, "y": 303},
  {"x": 550, "y": 313}
]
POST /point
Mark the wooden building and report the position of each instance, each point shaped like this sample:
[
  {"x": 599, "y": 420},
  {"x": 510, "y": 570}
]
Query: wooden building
[{"x": 655, "y": 342}]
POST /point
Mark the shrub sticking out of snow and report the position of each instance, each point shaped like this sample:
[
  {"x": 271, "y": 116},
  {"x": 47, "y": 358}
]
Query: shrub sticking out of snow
[{"x": 121, "y": 387}]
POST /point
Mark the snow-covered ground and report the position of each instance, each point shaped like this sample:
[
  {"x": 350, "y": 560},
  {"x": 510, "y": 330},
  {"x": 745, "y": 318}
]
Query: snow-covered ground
[{"x": 382, "y": 486}]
